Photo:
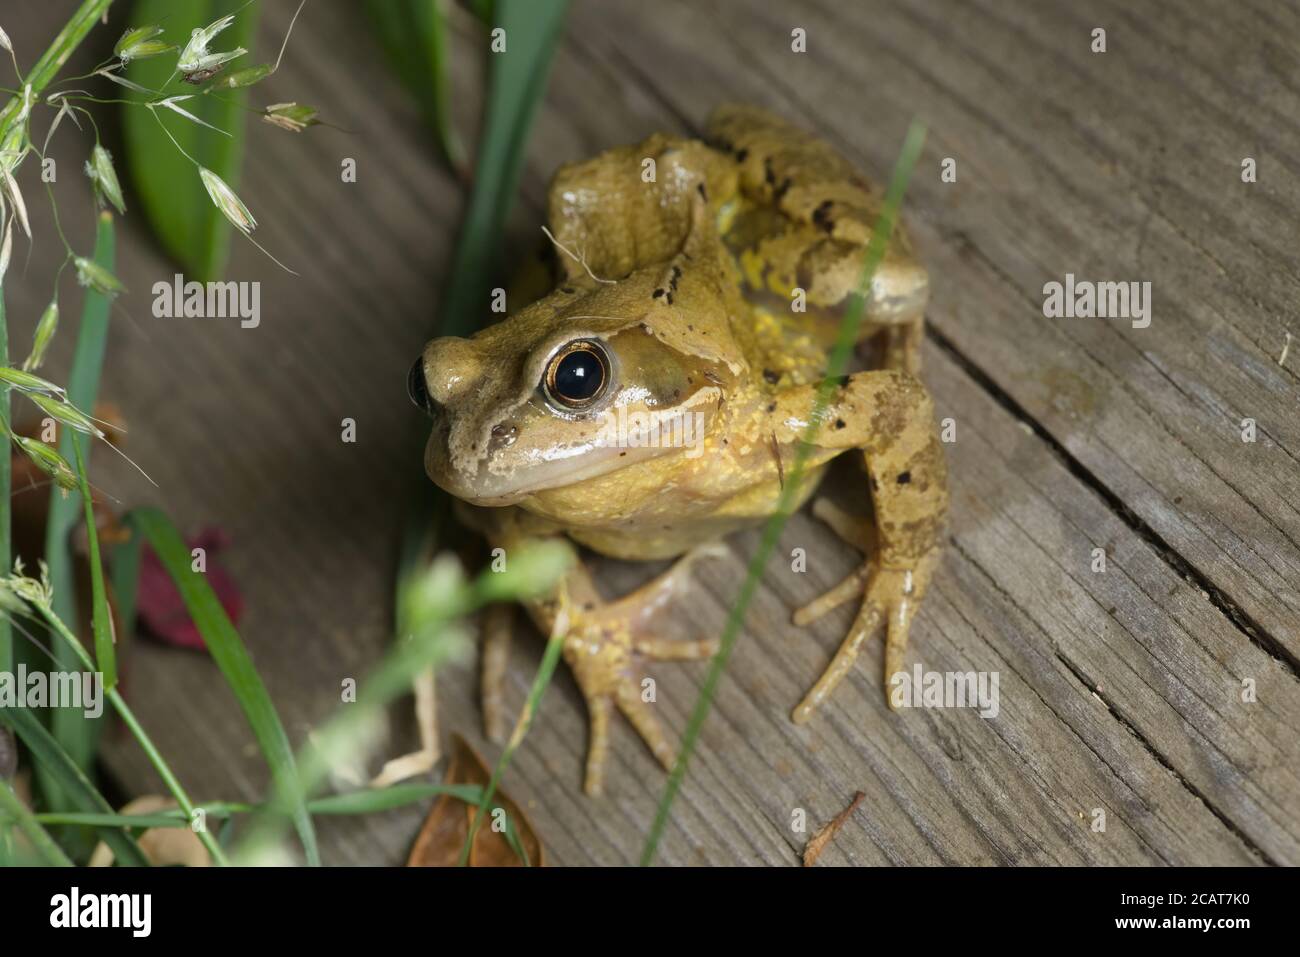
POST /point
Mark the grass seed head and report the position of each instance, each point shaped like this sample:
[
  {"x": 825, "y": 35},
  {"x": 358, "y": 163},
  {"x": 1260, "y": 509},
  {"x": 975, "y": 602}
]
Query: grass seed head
[
  {"x": 49, "y": 461},
  {"x": 94, "y": 276},
  {"x": 224, "y": 198},
  {"x": 294, "y": 117},
  {"x": 45, "y": 329},
  {"x": 100, "y": 170},
  {"x": 141, "y": 43}
]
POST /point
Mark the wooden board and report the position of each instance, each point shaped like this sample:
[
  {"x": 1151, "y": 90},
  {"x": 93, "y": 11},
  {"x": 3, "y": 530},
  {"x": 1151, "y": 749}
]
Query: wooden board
[{"x": 1121, "y": 691}]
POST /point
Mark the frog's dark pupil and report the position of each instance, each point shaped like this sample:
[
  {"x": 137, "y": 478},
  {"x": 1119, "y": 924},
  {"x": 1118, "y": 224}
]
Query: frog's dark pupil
[{"x": 579, "y": 375}]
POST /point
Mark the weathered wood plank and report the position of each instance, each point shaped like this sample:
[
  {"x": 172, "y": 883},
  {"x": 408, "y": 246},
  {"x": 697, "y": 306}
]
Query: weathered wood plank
[{"x": 1119, "y": 691}]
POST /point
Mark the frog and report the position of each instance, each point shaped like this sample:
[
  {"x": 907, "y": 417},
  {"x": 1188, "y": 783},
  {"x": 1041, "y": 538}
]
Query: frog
[{"x": 702, "y": 283}]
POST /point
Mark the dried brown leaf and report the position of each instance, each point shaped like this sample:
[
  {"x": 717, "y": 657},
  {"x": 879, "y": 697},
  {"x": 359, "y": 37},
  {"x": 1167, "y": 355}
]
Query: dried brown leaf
[{"x": 445, "y": 829}]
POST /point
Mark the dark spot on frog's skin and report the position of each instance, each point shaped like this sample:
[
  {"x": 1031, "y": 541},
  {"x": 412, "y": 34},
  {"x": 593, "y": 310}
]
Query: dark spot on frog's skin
[
  {"x": 677, "y": 274},
  {"x": 781, "y": 190},
  {"x": 839, "y": 424},
  {"x": 689, "y": 327},
  {"x": 669, "y": 299},
  {"x": 742, "y": 155},
  {"x": 821, "y": 217},
  {"x": 588, "y": 605},
  {"x": 1178, "y": 500},
  {"x": 677, "y": 393},
  {"x": 771, "y": 407},
  {"x": 621, "y": 454},
  {"x": 656, "y": 294},
  {"x": 904, "y": 478},
  {"x": 567, "y": 290},
  {"x": 704, "y": 193},
  {"x": 771, "y": 377},
  {"x": 769, "y": 175}
]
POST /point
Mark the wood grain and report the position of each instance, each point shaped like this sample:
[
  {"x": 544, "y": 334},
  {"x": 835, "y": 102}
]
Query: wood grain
[{"x": 1120, "y": 691}]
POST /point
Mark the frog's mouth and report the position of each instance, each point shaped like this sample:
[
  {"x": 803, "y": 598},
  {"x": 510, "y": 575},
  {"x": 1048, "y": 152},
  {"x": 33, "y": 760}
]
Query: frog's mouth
[{"x": 511, "y": 467}]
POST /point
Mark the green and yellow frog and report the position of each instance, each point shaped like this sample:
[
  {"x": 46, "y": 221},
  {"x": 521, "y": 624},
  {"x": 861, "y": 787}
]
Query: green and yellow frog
[{"x": 652, "y": 401}]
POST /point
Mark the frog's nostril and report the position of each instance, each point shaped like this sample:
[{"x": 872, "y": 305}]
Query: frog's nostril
[{"x": 417, "y": 389}]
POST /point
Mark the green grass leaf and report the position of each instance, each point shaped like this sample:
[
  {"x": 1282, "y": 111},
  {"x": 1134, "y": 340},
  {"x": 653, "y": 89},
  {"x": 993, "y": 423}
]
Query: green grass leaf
[
  {"x": 6, "y": 505},
  {"x": 517, "y": 81},
  {"x": 836, "y": 366},
  {"x": 75, "y": 732},
  {"x": 414, "y": 35},
  {"x": 73, "y": 783},
  {"x": 171, "y": 194},
  {"x": 105, "y": 653},
  {"x": 231, "y": 656},
  {"x": 13, "y": 808},
  {"x": 125, "y": 564}
]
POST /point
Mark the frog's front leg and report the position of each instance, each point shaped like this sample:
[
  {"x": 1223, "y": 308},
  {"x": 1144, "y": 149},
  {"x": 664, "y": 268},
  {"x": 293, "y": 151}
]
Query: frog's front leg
[
  {"x": 605, "y": 644},
  {"x": 889, "y": 416}
]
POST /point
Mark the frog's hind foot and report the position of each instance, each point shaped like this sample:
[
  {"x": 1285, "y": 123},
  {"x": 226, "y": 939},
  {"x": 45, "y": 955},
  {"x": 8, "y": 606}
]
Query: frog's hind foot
[
  {"x": 890, "y": 597},
  {"x": 606, "y": 646}
]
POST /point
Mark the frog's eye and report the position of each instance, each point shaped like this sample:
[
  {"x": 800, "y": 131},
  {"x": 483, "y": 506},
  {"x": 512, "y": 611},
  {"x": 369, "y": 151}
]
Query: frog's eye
[
  {"x": 578, "y": 374},
  {"x": 417, "y": 389}
]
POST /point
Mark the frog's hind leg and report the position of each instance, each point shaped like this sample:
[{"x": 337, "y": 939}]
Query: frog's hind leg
[{"x": 889, "y": 417}]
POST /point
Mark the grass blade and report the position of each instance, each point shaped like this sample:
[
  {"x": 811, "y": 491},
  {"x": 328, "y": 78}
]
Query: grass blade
[
  {"x": 73, "y": 782},
  {"x": 75, "y": 732},
  {"x": 14, "y": 809},
  {"x": 355, "y": 802},
  {"x": 6, "y": 504},
  {"x": 105, "y": 653},
  {"x": 172, "y": 197},
  {"x": 540, "y": 682},
  {"x": 125, "y": 566},
  {"x": 517, "y": 82},
  {"x": 836, "y": 367},
  {"x": 414, "y": 34},
  {"x": 231, "y": 656}
]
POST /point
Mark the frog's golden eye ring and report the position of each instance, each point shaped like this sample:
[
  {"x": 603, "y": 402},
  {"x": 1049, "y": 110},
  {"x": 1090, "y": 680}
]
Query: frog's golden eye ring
[{"x": 577, "y": 375}]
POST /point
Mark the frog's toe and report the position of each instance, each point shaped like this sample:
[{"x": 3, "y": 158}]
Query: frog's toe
[
  {"x": 864, "y": 626},
  {"x": 602, "y": 695},
  {"x": 851, "y": 587},
  {"x": 892, "y": 596}
]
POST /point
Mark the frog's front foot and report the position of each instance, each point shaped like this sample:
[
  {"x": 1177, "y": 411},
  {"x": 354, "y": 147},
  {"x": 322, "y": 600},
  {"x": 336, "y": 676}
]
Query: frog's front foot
[
  {"x": 606, "y": 646},
  {"x": 891, "y": 595}
]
